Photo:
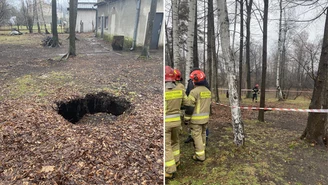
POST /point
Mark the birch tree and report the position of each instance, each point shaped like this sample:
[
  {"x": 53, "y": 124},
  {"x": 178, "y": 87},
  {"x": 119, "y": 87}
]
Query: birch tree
[
  {"x": 280, "y": 50},
  {"x": 175, "y": 17},
  {"x": 238, "y": 127},
  {"x": 241, "y": 46},
  {"x": 191, "y": 24},
  {"x": 315, "y": 128}
]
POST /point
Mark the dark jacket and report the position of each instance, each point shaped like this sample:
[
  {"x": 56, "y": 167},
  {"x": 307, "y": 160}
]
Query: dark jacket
[{"x": 190, "y": 86}]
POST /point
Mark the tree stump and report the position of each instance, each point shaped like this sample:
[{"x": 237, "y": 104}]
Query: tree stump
[{"x": 117, "y": 43}]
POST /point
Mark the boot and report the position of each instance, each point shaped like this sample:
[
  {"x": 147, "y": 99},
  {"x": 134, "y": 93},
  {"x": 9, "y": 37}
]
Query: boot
[
  {"x": 189, "y": 139},
  {"x": 169, "y": 175}
]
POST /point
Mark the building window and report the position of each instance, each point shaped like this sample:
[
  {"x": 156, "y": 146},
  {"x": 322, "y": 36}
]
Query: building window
[{"x": 106, "y": 22}]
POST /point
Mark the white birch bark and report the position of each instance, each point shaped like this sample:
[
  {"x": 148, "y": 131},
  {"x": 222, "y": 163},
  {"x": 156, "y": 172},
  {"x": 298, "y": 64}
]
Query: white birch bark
[
  {"x": 238, "y": 127},
  {"x": 279, "y": 54},
  {"x": 190, "y": 38},
  {"x": 175, "y": 25}
]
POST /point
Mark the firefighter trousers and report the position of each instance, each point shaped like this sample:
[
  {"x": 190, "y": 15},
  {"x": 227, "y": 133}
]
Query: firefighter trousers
[
  {"x": 198, "y": 133},
  {"x": 172, "y": 147}
]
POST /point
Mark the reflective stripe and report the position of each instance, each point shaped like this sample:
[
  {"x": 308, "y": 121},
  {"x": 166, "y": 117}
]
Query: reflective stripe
[
  {"x": 171, "y": 95},
  {"x": 200, "y": 153},
  {"x": 205, "y": 94},
  {"x": 170, "y": 163},
  {"x": 198, "y": 106},
  {"x": 187, "y": 117},
  {"x": 172, "y": 116},
  {"x": 200, "y": 116},
  {"x": 177, "y": 152},
  {"x": 191, "y": 98},
  {"x": 172, "y": 119}
]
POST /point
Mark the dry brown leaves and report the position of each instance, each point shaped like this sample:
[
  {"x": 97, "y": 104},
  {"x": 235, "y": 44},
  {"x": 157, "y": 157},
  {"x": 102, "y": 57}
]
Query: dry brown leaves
[{"x": 39, "y": 146}]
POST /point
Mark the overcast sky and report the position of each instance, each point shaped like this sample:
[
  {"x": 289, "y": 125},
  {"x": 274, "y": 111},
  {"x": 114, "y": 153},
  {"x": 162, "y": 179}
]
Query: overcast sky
[{"x": 314, "y": 28}]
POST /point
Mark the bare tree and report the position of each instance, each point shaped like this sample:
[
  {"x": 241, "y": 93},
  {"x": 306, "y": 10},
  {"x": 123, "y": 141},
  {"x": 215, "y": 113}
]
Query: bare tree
[
  {"x": 44, "y": 22},
  {"x": 55, "y": 41},
  {"x": 249, "y": 4},
  {"x": 175, "y": 17},
  {"x": 280, "y": 48},
  {"x": 264, "y": 59},
  {"x": 315, "y": 128},
  {"x": 241, "y": 46},
  {"x": 238, "y": 127},
  {"x": 191, "y": 24},
  {"x": 35, "y": 14},
  {"x": 151, "y": 17},
  {"x": 72, "y": 26},
  {"x": 4, "y": 12}
]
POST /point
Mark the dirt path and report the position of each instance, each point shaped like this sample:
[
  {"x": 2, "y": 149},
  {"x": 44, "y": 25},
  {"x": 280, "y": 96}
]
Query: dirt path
[{"x": 51, "y": 149}]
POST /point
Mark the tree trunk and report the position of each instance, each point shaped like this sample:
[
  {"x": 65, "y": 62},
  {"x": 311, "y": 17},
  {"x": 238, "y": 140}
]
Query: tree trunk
[
  {"x": 238, "y": 127},
  {"x": 150, "y": 23},
  {"x": 280, "y": 98},
  {"x": 55, "y": 42},
  {"x": 315, "y": 128},
  {"x": 213, "y": 56},
  {"x": 175, "y": 17},
  {"x": 168, "y": 52},
  {"x": 209, "y": 62},
  {"x": 264, "y": 60},
  {"x": 191, "y": 24},
  {"x": 44, "y": 22},
  {"x": 72, "y": 25},
  {"x": 234, "y": 34},
  {"x": 248, "y": 43},
  {"x": 195, "y": 42},
  {"x": 241, "y": 47}
]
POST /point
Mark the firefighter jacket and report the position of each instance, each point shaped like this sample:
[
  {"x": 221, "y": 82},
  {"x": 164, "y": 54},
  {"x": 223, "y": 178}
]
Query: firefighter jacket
[
  {"x": 179, "y": 85},
  {"x": 174, "y": 99},
  {"x": 190, "y": 86},
  {"x": 200, "y": 101}
]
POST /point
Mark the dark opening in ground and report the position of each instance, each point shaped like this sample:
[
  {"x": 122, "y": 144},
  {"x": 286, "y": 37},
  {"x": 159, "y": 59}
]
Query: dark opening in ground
[{"x": 75, "y": 109}]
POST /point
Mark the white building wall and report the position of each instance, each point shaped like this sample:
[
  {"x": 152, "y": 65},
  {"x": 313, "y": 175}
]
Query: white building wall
[
  {"x": 88, "y": 17},
  {"x": 122, "y": 15}
]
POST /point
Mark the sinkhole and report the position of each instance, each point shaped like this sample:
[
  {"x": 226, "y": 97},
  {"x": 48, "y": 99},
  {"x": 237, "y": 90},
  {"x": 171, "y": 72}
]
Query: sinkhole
[{"x": 75, "y": 109}]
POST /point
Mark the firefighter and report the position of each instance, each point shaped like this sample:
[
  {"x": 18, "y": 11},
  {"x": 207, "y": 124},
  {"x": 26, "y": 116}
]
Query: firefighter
[
  {"x": 190, "y": 86},
  {"x": 197, "y": 113},
  {"x": 178, "y": 79},
  {"x": 174, "y": 99},
  {"x": 255, "y": 92}
]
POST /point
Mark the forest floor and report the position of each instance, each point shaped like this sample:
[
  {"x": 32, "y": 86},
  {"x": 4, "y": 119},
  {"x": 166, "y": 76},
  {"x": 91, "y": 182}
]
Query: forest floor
[
  {"x": 39, "y": 146},
  {"x": 273, "y": 152}
]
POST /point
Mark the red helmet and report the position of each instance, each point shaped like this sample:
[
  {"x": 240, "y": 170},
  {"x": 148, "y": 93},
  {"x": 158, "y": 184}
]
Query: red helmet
[
  {"x": 177, "y": 75},
  {"x": 169, "y": 74},
  {"x": 197, "y": 76},
  {"x": 256, "y": 85}
]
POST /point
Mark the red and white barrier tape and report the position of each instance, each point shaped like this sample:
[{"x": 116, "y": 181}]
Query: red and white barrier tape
[
  {"x": 268, "y": 90},
  {"x": 279, "y": 109}
]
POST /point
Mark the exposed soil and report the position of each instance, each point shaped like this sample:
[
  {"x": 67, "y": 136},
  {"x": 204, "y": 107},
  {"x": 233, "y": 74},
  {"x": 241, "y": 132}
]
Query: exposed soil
[
  {"x": 273, "y": 152},
  {"x": 39, "y": 146}
]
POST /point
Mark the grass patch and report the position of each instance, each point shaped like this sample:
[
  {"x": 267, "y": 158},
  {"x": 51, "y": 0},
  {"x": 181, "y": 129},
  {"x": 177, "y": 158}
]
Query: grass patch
[{"x": 40, "y": 86}]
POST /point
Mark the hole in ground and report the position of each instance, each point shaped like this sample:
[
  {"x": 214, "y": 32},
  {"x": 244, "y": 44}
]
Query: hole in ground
[{"x": 74, "y": 110}]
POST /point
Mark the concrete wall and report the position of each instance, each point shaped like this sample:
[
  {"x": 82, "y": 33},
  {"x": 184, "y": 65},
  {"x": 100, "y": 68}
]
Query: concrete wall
[
  {"x": 122, "y": 15},
  {"x": 87, "y": 17}
]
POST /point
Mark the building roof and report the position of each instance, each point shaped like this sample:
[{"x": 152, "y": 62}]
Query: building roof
[
  {"x": 83, "y": 5},
  {"x": 105, "y": 2}
]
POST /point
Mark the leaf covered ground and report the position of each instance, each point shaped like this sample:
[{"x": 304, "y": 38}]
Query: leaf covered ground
[
  {"x": 38, "y": 146},
  {"x": 273, "y": 153}
]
